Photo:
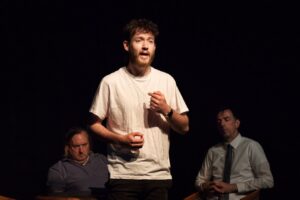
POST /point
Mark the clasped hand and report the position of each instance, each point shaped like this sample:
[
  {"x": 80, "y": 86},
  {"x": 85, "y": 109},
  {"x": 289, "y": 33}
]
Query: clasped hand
[
  {"x": 158, "y": 102},
  {"x": 134, "y": 140},
  {"x": 218, "y": 187}
]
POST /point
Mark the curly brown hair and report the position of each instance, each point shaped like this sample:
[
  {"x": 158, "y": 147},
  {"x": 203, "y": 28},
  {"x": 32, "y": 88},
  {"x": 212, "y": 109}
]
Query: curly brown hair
[{"x": 139, "y": 25}]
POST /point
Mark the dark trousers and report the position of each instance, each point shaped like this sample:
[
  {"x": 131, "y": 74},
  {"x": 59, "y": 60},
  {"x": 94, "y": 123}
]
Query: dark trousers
[{"x": 121, "y": 189}]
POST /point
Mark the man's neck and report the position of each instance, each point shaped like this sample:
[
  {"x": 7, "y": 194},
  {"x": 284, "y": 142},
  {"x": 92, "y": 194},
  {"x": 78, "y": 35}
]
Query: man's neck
[
  {"x": 82, "y": 162},
  {"x": 230, "y": 139},
  {"x": 136, "y": 70}
]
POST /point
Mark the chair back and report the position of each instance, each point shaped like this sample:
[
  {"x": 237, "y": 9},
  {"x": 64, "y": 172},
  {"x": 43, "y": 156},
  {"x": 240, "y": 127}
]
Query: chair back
[
  {"x": 6, "y": 198},
  {"x": 193, "y": 196},
  {"x": 252, "y": 195},
  {"x": 55, "y": 198}
]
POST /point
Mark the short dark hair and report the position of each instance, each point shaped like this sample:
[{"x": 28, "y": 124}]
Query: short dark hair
[
  {"x": 232, "y": 108},
  {"x": 143, "y": 25},
  {"x": 73, "y": 131}
]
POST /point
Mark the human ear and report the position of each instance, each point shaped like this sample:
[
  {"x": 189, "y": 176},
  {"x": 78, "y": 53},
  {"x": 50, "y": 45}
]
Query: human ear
[{"x": 125, "y": 45}]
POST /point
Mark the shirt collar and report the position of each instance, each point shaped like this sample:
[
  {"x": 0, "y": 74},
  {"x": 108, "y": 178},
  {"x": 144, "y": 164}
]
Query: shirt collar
[
  {"x": 68, "y": 159},
  {"x": 236, "y": 141}
]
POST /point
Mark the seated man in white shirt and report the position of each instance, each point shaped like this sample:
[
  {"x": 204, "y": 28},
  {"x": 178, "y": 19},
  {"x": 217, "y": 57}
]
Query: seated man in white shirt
[{"x": 250, "y": 168}]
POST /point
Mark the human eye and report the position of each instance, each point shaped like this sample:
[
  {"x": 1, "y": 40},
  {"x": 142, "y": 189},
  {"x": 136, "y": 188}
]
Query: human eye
[
  {"x": 151, "y": 40},
  {"x": 138, "y": 40},
  {"x": 84, "y": 145},
  {"x": 227, "y": 119},
  {"x": 75, "y": 146}
]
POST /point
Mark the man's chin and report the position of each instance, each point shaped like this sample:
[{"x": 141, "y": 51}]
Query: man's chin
[
  {"x": 82, "y": 158},
  {"x": 225, "y": 135},
  {"x": 144, "y": 62},
  {"x": 143, "y": 65}
]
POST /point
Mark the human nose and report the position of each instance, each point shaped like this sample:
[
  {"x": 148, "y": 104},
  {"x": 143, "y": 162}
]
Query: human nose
[
  {"x": 221, "y": 123},
  {"x": 80, "y": 149},
  {"x": 145, "y": 45}
]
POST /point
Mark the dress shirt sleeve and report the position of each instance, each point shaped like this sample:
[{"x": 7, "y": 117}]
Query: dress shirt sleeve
[
  {"x": 261, "y": 170},
  {"x": 205, "y": 172}
]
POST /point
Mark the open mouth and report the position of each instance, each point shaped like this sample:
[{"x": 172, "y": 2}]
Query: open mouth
[
  {"x": 144, "y": 56},
  {"x": 144, "y": 53}
]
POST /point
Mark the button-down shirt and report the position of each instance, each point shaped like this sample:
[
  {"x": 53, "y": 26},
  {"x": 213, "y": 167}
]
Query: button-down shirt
[{"x": 250, "y": 167}]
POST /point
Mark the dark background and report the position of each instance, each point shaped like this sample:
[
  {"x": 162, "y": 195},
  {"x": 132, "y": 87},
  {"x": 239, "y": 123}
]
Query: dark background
[{"x": 56, "y": 52}]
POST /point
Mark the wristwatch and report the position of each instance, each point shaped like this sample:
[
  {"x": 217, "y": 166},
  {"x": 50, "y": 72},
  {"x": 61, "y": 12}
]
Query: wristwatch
[{"x": 169, "y": 114}]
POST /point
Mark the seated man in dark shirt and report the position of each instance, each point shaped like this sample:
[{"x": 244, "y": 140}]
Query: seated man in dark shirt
[{"x": 80, "y": 171}]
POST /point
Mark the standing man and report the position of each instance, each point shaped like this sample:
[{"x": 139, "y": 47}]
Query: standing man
[
  {"x": 248, "y": 170},
  {"x": 140, "y": 104}
]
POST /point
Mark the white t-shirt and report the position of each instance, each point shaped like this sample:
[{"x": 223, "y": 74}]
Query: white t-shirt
[{"x": 123, "y": 99}]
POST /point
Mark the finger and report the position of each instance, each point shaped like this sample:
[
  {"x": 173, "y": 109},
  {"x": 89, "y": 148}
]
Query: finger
[
  {"x": 157, "y": 93},
  {"x": 150, "y": 94},
  {"x": 137, "y": 145},
  {"x": 154, "y": 102},
  {"x": 137, "y": 135},
  {"x": 138, "y": 139}
]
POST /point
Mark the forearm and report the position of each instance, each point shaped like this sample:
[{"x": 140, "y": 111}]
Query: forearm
[
  {"x": 263, "y": 179},
  {"x": 255, "y": 184},
  {"x": 179, "y": 122},
  {"x": 106, "y": 134}
]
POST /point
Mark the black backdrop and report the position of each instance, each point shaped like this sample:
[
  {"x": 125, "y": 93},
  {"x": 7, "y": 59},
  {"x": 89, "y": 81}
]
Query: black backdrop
[{"x": 57, "y": 52}]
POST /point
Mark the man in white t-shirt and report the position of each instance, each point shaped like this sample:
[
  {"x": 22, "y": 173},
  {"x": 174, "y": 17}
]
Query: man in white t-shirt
[{"x": 140, "y": 105}]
